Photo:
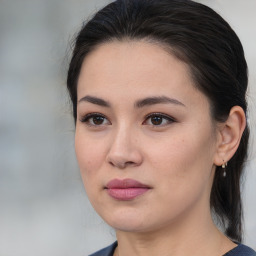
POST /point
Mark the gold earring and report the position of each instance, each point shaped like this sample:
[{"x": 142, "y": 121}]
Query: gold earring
[{"x": 224, "y": 165}]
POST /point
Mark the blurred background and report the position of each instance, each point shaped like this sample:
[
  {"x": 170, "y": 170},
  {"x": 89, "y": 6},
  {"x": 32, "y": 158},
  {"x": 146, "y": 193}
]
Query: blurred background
[{"x": 43, "y": 206}]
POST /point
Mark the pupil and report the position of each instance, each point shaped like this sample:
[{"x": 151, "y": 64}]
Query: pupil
[
  {"x": 156, "y": 120},
  {"x": 98, "y": 120}
]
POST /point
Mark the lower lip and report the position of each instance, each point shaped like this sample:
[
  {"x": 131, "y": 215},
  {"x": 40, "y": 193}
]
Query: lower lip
[{"x": 126, "y": 194}]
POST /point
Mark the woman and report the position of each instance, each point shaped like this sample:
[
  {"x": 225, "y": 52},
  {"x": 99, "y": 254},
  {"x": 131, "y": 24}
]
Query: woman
[{"x": 158, "y": 90}]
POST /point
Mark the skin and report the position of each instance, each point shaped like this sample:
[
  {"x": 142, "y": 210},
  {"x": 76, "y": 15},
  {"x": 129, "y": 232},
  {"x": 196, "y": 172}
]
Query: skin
[{"x": 177, "y": 159}]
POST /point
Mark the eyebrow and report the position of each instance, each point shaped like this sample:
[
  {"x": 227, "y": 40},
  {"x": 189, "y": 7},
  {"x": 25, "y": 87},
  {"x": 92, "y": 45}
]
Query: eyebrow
[
  {"x": 156, "y": 100},
  {"x": 95, "y": 100},
  {"x": 138, "y": 104}
]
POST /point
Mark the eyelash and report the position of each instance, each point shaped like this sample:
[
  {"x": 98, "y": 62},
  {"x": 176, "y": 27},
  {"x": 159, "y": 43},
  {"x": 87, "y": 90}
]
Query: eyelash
[
  {"x": 163, "y": 116},
  {"x": 86, "y": 119}
]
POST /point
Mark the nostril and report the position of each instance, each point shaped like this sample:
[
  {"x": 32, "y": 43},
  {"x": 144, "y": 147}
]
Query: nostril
[
  {"x": 122, "y": 156},
  {"x": 130, "y": 163},
  {"x": 122, "y": 165}
]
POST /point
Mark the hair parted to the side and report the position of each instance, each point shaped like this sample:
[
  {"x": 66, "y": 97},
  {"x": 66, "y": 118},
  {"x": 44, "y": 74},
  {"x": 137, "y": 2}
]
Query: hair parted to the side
[{"x": 201, "y": 38}]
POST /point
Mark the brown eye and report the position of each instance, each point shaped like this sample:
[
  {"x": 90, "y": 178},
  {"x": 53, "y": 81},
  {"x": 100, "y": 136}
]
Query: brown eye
[
  {"x": 158, "y": 120},
  {"x": 95, "y": 119}
]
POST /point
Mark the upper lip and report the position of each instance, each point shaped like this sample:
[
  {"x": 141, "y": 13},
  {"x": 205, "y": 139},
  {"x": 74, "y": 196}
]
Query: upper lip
[{"x": 125, "y": 183}]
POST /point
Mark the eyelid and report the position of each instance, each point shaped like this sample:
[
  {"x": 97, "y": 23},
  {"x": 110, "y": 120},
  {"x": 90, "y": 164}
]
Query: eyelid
[
  {"x": 164, "y": 116},
  {"x": 85, "y": 118}
]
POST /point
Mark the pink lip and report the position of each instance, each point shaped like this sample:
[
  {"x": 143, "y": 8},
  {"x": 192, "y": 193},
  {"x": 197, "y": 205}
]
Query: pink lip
[{"x": 126, "y": 189}]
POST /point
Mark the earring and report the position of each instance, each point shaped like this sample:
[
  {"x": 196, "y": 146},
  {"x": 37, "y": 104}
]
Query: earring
[{"x": 224, "y": 165}]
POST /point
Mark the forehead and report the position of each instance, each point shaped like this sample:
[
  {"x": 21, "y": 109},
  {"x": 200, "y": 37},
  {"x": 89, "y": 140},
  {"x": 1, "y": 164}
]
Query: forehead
[{"x": 132, "y": 69}]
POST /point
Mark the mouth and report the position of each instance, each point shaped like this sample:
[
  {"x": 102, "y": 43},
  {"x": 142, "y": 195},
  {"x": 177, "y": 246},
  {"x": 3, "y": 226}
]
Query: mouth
[{"x": 125, "y": 190}]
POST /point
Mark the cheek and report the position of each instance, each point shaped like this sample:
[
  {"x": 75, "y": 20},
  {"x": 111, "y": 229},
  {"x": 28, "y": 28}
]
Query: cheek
[
  {"x": 183, "y": 157},
  {"x": 182, "y": 170},
  {"x": 90, "y": 156}
]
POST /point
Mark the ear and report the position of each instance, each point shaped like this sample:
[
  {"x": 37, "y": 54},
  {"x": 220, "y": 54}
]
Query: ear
[{"x": 229, "y": 135}]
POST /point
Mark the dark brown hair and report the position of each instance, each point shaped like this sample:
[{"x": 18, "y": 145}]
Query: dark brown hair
[{"x": 204, "y": 40}]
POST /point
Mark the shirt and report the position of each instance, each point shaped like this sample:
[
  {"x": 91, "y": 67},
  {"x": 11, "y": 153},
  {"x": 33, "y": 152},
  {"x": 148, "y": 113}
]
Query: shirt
[{"x": 240, "y": 250}]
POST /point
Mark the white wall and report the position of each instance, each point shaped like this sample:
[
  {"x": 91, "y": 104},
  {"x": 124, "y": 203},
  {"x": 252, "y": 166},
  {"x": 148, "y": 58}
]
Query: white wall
[{"x": 43, "y": 206}]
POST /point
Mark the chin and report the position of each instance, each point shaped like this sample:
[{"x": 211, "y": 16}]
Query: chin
[
  {"x": 136, "y": 225},
  {"x": 126, "y": 220},
  {"x": 129, "y": 226}
]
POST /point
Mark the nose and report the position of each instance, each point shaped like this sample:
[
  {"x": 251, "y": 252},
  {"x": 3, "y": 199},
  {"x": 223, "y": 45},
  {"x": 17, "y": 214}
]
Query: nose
[{"x": 124, "y": 150}]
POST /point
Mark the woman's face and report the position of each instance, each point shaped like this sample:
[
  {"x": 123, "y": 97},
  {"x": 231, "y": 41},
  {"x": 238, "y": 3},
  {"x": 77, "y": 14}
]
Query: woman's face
[{"x": 145, "y": 140}]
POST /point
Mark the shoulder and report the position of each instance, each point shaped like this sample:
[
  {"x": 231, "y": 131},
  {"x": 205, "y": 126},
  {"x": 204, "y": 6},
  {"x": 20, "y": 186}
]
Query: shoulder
[
  {"x": 108, "y": 251},
  {"x": 241, "y": 250}
]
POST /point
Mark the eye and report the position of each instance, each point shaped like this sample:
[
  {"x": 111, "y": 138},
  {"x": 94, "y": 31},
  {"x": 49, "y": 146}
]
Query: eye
[
  {"x": 95, "y": 119},
  {"x": 158, "y": 119}
]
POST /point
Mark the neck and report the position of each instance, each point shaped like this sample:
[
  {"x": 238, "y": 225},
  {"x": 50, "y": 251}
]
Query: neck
[{"x": 184, "y": 237}]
